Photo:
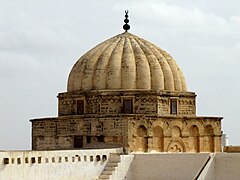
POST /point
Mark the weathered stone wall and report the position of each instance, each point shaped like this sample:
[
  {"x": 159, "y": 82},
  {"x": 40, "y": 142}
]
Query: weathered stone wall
[
  {"x": 231, "y": 149},
  {"x": 134, "y": 132},
  {"x": 145, "y": 105},
  {"x": 111, "y": 102},
  {"x": 99, "y": 119},
  {"x": 96, "y": 132},
  {"x": 45, "y": 165},
  {"x": 187, "y": 106},
  {"x": 175, "y": 134}
]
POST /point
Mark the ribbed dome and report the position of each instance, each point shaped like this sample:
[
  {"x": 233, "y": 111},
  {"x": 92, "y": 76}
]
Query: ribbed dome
[{"x": 126, "y": 62}]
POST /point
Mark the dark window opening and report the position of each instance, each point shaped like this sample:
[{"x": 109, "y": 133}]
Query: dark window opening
[
  {"x": 6, "y": 161},
  {"x": 78, "y": 142},
  {"x": 100, "y": 138},
  {"x": 173, "y": 106},
  {"x": 79, "y": 158},
  {"x": 128, "y": 106},
  {"x": 80, "y": 107},
  {"x": 33, "y": 160},
  {"x": 18, "y": 161},
  {"x": 104, "y": 157},
  {"x": 98, "y": 158},
  {"x": 91, "y": 158},
  {"x": 88, "y": 139},
  {"x": 39, "y": 159}
]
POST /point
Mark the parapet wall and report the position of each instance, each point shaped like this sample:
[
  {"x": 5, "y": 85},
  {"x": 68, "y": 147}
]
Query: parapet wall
[{"x": 45, "y": 165}]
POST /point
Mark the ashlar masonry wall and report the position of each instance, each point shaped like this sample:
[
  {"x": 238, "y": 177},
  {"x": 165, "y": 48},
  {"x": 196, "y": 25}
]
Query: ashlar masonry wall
[
  {"x": 45, "y": 165},
  {"x": 111, "y": 102}
]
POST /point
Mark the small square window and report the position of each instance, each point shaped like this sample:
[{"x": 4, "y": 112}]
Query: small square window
[
  {"x": 6, "y": 160},
  {"x": 100, "y": 138},
  {"x": 127, "y": 106},
  {"x": 173, "y": 106},
  {"x": 78, "y": 141}
]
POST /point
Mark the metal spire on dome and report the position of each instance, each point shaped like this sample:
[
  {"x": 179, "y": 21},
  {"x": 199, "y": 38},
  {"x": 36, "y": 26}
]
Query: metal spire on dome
[{"x": 126, "y": 26}]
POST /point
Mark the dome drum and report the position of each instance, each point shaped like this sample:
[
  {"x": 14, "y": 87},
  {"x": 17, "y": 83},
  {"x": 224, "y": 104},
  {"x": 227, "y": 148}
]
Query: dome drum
[{"x": 149, "y": 102}]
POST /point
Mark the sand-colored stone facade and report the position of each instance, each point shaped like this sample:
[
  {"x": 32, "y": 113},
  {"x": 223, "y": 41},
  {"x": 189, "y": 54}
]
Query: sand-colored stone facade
[
  {"x": 139, "y": 120},
  {"x": 127, "y": 92}
]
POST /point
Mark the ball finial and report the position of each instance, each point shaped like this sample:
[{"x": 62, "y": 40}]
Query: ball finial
[{"x": 126, "y": 26}]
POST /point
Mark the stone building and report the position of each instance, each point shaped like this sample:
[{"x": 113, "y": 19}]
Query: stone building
[
  {"x": 127, "y": 92},
  {"x": 126, "y": 95}
]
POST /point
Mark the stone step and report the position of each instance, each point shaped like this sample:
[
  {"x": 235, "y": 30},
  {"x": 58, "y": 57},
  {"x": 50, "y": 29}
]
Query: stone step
[
  {"x": 107, "y": 172},
  {"x": 115, "y": 157},
  {"x": 112, "y": 164},
  {"x": 104, "y": 176},
  {"x": 114, "y": 161},
  {"x": 109, "y": 168},
  {"x": 103, "y": 179}
]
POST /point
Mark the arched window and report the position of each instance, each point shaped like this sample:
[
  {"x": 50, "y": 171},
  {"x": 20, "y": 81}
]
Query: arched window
[
  {"x": 142, "y": 141},
  {"x": 209, "y": 135},
  {"x": 158, "y": 139},
  {"x": 194, "y": 135},
  {"x": 176, "y": 132}
]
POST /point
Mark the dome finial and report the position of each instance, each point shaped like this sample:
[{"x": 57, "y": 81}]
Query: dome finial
[{"x": 126, "y": 26}]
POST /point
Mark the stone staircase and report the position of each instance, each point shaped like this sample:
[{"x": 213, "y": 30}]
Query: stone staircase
[{"x": 110, "y": 167}]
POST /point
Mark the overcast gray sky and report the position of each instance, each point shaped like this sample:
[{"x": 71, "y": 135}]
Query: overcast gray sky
[{"x": 41, "y": 40}]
